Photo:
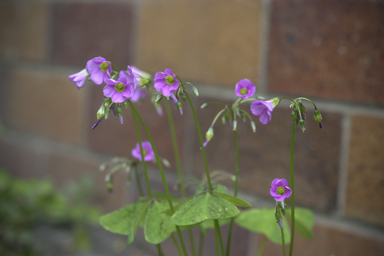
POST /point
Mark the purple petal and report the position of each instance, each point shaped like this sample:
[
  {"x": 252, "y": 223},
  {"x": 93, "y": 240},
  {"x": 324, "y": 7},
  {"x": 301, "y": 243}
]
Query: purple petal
[
  {"x": 288, "y": 191},
  {"x": 121, "y": 119},
  {"x": 109, "y": 90},
  {"x": 159, "y": 84},
  {"x": 98, "y": 77},
  {"x": 118, "y": 97},
  {"x": 166, "y": 90},
  {"x": 264, "y": 118},
  {"x": 93, "y": 65},
  {"x": 257, "y": 108},
  {"x": 275, "y": 183},
  {"x": 280, "y": 224},
  {"x": 280, "y": 197},
  {"x": 273, "y": 192},
  {"x": 160, "y": 76},
  {"x": 173, "y": 97},
  {"x": 169, "y": 72},
  {"x": 284, "y": 183}
]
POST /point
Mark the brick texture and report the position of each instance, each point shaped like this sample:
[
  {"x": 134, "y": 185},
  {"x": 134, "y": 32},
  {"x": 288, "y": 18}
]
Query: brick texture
[
  {"x": 45, "y": 102},
  {"x": 264, "y": 155},
  {"x": 329, "y": 241},
  {"x": 86, "y": 30},
  {"x": 203, "y": 41},
  {"x": 24, "y": 31},
  {"x": 328, "y": 49},
  {"x": 365, "y": 170}
]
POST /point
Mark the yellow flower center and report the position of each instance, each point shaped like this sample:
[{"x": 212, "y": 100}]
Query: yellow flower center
[
  {"x": 170, "y": 80},
  {"x": 104, "y": 66},
  {"x": 243, "y": 91},
  {"x": 280, "y": 190},
  {"x": 119, "y": 87},
  {"x": 145, "y": 152}
]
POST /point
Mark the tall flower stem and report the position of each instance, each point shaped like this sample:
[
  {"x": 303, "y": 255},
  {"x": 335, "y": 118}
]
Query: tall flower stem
[
  {"x": 262, "y": 245},
  {"x": 176, "y": 244},
  {"x": 178, "y": 165},
  {"x": 217, "y": 227},
  {"x": 142, "y": 154},
  {"x": 235, "y": 192},
  {"x": 161, "y": 173},
  {"x": 283, "y": 240},
  {"x": 139, "y": 187},
  {"x": 201, "y": 244},
  {"x": 159, "y": 250},
  {"x": 293, "y": 190}
]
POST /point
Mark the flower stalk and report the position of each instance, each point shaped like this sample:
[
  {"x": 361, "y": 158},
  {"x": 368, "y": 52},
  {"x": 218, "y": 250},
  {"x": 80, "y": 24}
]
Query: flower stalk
[{"x": 293, "y": 190}]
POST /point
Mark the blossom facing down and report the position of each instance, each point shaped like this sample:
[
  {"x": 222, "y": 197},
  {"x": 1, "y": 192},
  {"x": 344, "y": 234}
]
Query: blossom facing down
[
  {"x": 99, "y": 69},
  {"x": 245, "y": 89},
  {"x": 166, "y": 83},
  {"x": 280, "y": 189},
  {"x": 264, "y": 109},
  {"x": 148, "y": 153},
  {"x": 79, "y": 78},
  {"x": 120, "y": 89}
]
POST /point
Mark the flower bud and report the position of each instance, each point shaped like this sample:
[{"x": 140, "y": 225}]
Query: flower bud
[
  {"x": 119, "y": 111},
  {"x": 235, "y": 125},
  {"x": 107, "y": 111},
  {"x": 301, "y": 122},
  {"x": 195, "y": 91},
  {"x": 166, "y": 162},
  {"x": 209, "y": 134},
  {"x": 204, "y": 105},
  {"x": 101, "y": 112},
  {"x": 110, "y": 186},
  {"x": 158, "y": 98},
  {"x": 317, "y": 116},
  {"x": 275, "y": 101},
  {"x": 283, "y": 211},
  {"x": 253, "y": 125},
  {"x": 278, "y": 216},
  {"x": 125, "y": 105},
  {"x": 223, "y": 119}
]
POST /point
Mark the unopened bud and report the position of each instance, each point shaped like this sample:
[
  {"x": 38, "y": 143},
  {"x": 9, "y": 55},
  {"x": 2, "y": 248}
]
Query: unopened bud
[
  {"x": 317, "y": 116},
  {"x": 320, "y": 125},
  {"x": 235, "y": 125},
  {"x": 166, "y": 162},
  {"x": 204, "y": 105},
  {"x": 119, "y": 111},
  {"x": 209, "y": 134},
  {"x": 278, "y": 216},
  {"x": 302, "y": 125},
  {"x": 223, "y": 119},
  {"x": 283, "y": 211},
  {"x": 107, "y": 111},
  {"x": 101, "y": 112},
  {"x": 125, "y": 104},
  {"x": 110, "y": 186},
  {"x": 195, "y": 91},
  {"x": 253, "y": 125},
  {"x": 158, "y": 98}
]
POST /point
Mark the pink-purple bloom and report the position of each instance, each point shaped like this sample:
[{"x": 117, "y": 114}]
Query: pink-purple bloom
[
  {"x": 138, "y": 95},
  {"x": 245, "y": 89},
  {"x": 99, "y": 69},
  {"x": 280, "y": 189},
  {"x": 264, "y": 109},
  {"x": 79, "y": 78},
  {"x": 166, "y": 83},
  {"x": 147, "y": 151},
  {"x": 120, "y": 89}
]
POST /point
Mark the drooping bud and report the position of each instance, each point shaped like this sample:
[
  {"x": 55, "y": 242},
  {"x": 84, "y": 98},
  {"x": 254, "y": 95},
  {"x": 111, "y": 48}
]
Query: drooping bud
[
  {"x": 253, "y": 125},
  {"x": 195, "y": 91},
  {"x": 317, "y": 116},
  {"x": 119, "y": 111},
  {"x": 180, "y": 107},
  {"x": 275, "y": 101},
  {"x": 280, "y": 224},
  {"x": 166, "y": 162},
  {"x": 125, "y": 104},
  {"x": 107, "y": 111},
  {"x": 158, "y": 98},
  {"x": 235, "y": 125},
  {"x": 277, "y": 215},
  {"x": 302, "y": 125},
  {"x": 204, "y": 105},
  {"x": 209, "y": 134},
  {"x": 101, "y": 112},
  {"x": 223, "y": 119}
]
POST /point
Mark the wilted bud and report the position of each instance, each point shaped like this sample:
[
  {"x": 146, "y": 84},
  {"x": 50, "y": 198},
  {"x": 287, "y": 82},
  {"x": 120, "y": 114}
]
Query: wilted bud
[
  {"x": 235, "y": 125},
  {"x": 209, "y": 134},
  {"x": 302, "y": 125},
  {"x": 101, "y": 112},
  {"x": 125, "y": 104},
  {"x": 166, "y": 162},
  {"x": 253, "y": 125},
  {"x": 195, "y": 91},
  {"x": 205, "y": 105},
  {"x": 317, "y": 116}
]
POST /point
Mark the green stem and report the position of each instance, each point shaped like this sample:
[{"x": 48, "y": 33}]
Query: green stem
[
  {"x": 217, "y": 227},
  {"x": 235, "y": 192},
  {"x": 192, "y": 242},
  {"x": 262, "y": 245},
  {"x": 293, "y": 190},
  {"x": 140, "y": 188},
  {"x": 176, "y": 244},
  {"x": 141, "y": 151},
  {"x": 161, "y": 173},
  {"x": 201, "y": 243},
  {"x": 159, "y": 250},
  {"x": 282, "y": 238},
  {"x": 175, "y": 147}
]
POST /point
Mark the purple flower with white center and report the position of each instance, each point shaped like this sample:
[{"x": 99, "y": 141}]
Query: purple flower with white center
[
  {"x": 99, "y": 69},
  {"x": 147, "y": 151},
  {"x": 120, "y": 89},
  {"x": 280, "y": 189},
  {"x": 166, "y": 83},
  {"x": 245, "y": 89},
  {"x": 79, "y": 78},
  {"x": 264, "y": 109}
]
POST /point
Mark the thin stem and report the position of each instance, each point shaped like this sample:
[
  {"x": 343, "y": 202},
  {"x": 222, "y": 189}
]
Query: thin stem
[
  {"x": 262, "y": 245},
  {"x": 138, "y": 181},
  {"x": 161, "y": 173},
  {"x": 192, "y": 242},
  {"x": 159, "y": 250},
  {"x": 176, "y": 244},
  {"x": 141, "y": 151},
  {"x": 217, "y": 116},
  {"x": 201, "y": 243},
  {"x": 235, "y": 192},
  {"x": 293, "y": 190},
  {"x": 217, "y": 227},
  {"x": 282, "y": 238},
  {"x": 175, "y": 147}
]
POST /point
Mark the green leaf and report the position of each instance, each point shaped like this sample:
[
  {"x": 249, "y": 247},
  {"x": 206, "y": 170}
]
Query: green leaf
[
  {"x": 136, "y": 221},
  {"x": 263, "y": 221},
  {"x": 203, "y": 207},
  {"x": 120, "y": 221},
  {"x": 304, "y": 221},
  {"x": 157, "y": 226},
  {"x": 234, "y": 200},
  {"x": 210, "y": 223},
  {"x": 220, "y": 189}
]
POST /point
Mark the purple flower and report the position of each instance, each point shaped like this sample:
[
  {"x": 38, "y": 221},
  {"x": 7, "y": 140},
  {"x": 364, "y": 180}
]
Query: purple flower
[
  {"x": 138, "y": 94},
  {"x": 147, "y": 150},
  {"x": 166, "y": 83},
  {"x": 264, "y": 109},
  {"x": 99, "y": 69},
  {"x": 79, "y": 78},
  {"x": 280, "y": 189},
  {"x": 119, "y": 90},
  {"x": 132, "y": 78},
  {"x": 245, "y": 89}
]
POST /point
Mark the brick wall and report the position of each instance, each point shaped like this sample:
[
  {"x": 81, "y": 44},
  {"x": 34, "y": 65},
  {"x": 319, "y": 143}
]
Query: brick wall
[{"x": 330, "y": 51}]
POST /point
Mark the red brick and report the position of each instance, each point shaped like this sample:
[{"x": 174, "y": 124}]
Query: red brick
[
  {"x": 365, "y": 170},
  {"x": 327, "y": 49},
  {"x": 86, "y": 30}
]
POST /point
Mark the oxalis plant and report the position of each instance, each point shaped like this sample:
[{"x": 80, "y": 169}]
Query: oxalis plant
[{"x": 164, "y": 216}]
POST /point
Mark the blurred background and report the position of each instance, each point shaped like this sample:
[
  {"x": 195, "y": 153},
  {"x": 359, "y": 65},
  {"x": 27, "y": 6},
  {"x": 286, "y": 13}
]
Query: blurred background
[{"x": 326, "y": 50}]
